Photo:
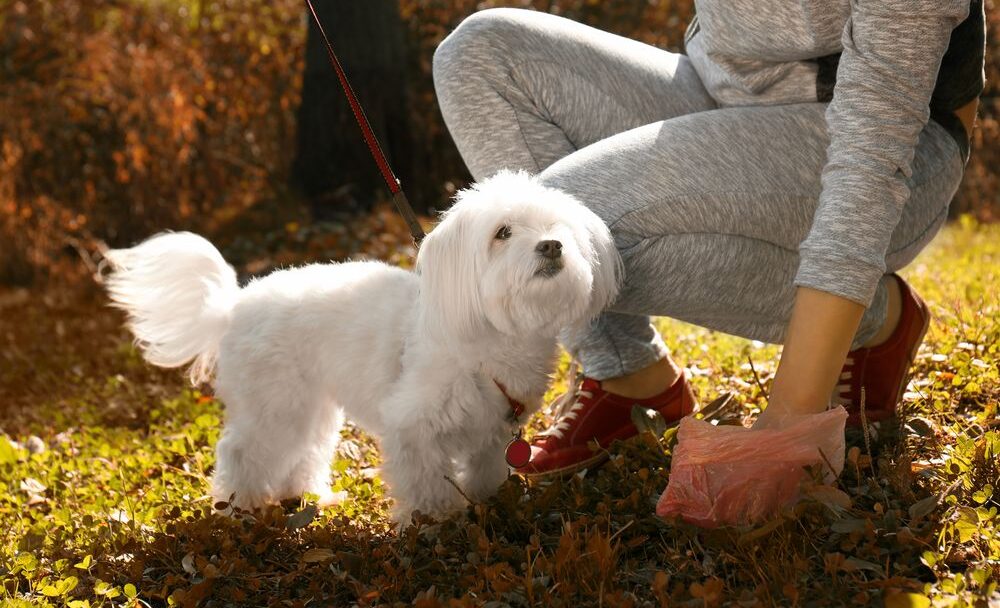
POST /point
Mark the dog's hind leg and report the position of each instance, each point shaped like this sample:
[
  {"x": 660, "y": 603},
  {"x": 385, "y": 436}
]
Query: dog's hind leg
[
  {"x": 246, "y": 473},
  {"x": 312, "y": 472},
  {"x": 275, "y": 445}
]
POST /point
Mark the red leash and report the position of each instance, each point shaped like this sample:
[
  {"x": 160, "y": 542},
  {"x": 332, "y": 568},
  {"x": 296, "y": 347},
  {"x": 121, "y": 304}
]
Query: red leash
[
  {"x": 518, "y": 451},
  {"x": 398, "y": 197}
]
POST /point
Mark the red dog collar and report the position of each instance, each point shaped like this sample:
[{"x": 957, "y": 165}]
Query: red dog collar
[
  {"x": 516, "y": 407},
  {"x": 518, "y": 451}
]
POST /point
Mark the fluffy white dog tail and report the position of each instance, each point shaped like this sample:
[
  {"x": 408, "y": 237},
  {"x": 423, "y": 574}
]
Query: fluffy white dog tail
[{"x": 179, "y": 295}]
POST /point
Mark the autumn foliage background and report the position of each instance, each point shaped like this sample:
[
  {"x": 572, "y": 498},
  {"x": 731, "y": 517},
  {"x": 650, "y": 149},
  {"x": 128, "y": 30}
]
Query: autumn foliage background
[{"x": 121, "y": 118}]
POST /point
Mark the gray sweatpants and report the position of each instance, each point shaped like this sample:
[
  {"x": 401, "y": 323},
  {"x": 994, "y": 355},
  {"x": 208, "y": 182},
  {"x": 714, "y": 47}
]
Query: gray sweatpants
[{"x": 707, "y": 204}]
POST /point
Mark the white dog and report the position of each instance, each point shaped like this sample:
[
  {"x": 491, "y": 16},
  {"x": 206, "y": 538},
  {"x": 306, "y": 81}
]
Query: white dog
[{"x": 417, "y": 359}]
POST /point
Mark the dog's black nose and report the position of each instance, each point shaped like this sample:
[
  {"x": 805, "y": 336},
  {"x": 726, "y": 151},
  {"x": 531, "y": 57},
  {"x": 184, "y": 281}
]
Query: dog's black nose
[{"x": 549, "y": 249}]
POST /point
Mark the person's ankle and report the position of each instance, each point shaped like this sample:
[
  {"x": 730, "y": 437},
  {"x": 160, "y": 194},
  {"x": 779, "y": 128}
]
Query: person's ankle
[
  {"x": 645, "y": 383},
  {"x": 893, "y": 311}
]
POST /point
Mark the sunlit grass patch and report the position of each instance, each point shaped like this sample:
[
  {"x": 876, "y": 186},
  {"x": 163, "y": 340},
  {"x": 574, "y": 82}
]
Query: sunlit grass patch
[{"x": 103, "y": 495}]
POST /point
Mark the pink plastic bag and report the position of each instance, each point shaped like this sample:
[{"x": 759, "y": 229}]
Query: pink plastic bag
[{"x": 731, "y": 475}]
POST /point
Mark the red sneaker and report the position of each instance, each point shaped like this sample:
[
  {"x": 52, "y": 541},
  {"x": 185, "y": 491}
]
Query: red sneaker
[
  {"x": 592, "y": 413},
  {"x": 884, "y": 370}
]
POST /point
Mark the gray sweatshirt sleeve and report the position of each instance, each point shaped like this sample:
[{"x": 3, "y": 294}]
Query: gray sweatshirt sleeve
[{"x": 892, "y": 52}]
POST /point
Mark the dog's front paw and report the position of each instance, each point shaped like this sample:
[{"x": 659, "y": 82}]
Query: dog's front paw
[
  {"x": 482, "y": 492},
  {"x": 483, "y": 474},
  {"x": 402, "y": 513},
  {"x": 482, "y": 484}
]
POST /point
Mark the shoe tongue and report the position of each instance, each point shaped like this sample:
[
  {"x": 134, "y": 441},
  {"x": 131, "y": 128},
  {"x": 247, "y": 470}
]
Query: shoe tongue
[{"x": 591, "y": 385}]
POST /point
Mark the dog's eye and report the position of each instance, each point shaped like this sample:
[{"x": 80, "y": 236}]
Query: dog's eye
[{"x": 503, "y": 233}]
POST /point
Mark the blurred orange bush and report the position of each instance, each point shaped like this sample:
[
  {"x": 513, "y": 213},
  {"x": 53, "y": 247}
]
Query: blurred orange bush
[{"x": 120, "y": 118}]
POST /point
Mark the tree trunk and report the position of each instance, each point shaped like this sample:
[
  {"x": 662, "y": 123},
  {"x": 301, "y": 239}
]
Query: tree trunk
[{"x": 333, "y": 168}]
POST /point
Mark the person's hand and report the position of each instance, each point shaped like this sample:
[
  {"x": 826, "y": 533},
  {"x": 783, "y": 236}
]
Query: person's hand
[
  {"x": 778, "y": 416},
  {"x": 737, "y": 476},
  {"x": 730, "y": 475},
  {"x": 772, "y": 418}
]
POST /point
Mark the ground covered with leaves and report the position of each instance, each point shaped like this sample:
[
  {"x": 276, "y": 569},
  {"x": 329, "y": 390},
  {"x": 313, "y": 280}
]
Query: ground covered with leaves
[{"x": 104, "y": 466}]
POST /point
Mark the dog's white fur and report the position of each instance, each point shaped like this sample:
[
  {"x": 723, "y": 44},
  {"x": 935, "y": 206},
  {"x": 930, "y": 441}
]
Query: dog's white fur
[{"x": 410, "y": 357}]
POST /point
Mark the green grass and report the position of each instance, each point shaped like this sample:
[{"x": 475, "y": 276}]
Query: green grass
[{"x": 107, "y": 505}]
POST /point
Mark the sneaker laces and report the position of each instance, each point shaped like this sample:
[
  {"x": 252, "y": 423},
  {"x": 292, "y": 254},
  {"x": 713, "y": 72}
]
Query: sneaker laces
[
  {"x": 567, "y": 406},
  {"x": 842, "y": 392}
]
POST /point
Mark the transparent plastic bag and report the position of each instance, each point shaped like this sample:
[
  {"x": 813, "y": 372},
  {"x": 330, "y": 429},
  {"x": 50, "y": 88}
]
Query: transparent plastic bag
[{"x": 731, "y": 475}]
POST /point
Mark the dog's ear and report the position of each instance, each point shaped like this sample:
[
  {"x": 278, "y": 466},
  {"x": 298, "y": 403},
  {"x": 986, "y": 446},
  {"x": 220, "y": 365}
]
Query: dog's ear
[
  {"x": 448, "y": 266},
  {"x": 605, "y": 263}
]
